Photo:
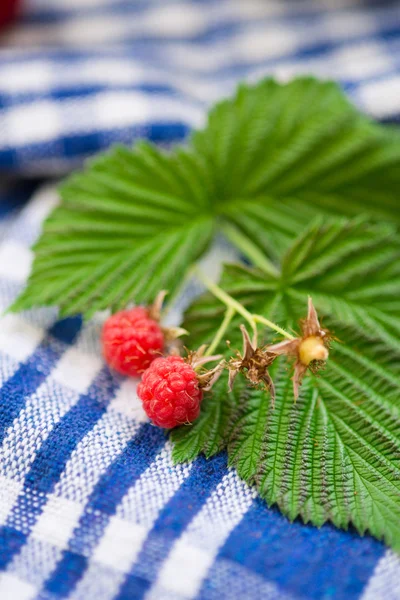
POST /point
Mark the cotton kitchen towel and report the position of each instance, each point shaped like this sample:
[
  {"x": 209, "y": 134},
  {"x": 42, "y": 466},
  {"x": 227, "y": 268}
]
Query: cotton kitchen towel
[{"x": 91, "y": 506}]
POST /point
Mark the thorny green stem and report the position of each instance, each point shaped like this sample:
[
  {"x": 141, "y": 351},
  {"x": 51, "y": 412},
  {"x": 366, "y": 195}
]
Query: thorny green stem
[
  {"x": 252, "y": 252},
  {"x": 268, "y": 323},
  {"x": 228, "y": 301},
  {"x": 239, "y": 308},
  {"x": 230, "y": 312}
]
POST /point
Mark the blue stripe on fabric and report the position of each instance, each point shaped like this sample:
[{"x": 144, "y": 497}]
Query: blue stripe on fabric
[
  {"x": 58, "y": 57},
  {"x": 300, "y": 559},
  {"x": 214, "y": 30},
  {"x": 11, "y": 541},
  {"x": 317, "y": 50},
  {"x": 154, "y": 53},
  {"x": 102, "y": 504},
  {"x": 66, "y": 330},
  {"x": 69, "y": 571},
  {"x": 9, "y": 100},
  {"x": 48, "y": 13},
  {"x": 52, "y": 14},
  {"x": 81, "y": 145},
  {"x": 392, "y": 120},
  {"x": 62, "y": 92},
  {"x": 170, "y": 524},
  {"x": 15, "y": 193},
  {"x": 31, "y": 373},
  {"x": 50, "y": 461}
]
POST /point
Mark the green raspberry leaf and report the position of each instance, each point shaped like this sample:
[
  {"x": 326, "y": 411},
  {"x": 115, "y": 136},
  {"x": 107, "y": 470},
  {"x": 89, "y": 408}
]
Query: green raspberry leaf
[
  {"x": 127, "y": 227},
  {"x": 335, "y": 455},
  {"x": 281, "y": 154},
  {"x": 267, "y": 162}
]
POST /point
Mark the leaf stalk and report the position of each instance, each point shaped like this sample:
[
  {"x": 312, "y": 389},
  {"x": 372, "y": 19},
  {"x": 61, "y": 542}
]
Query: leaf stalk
[
  {"x": 229, "y": 314},
  {"x": 235, "y": 306}
]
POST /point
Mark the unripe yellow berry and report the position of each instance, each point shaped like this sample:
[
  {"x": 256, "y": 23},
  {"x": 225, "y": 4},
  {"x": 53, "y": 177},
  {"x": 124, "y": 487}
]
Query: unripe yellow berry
[{"x": 312, "y": 348}]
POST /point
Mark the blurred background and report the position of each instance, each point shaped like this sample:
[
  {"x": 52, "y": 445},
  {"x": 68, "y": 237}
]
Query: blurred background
[{"x": 79, "y": 75}]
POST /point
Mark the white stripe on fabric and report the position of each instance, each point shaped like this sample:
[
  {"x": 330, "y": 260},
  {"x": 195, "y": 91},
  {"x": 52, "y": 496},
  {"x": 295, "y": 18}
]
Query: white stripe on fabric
[
  {"x": 127, "y": 403},
  {"x": 384, "y": 582},
  {"x": 13, "y": 588},
  {"x": 76, "y": 369},
  {"x": 25, "y": 125},
  {"x": 8, "y": 366},
  {"x": 15, "y": 261},
  {"x": 381, "y": 97},
  {"x": 18, "y": 338},
  {"x": 40, "y": 122},
  {"x": 10, "y": 490},
  {"x": 57, "y": 521}
]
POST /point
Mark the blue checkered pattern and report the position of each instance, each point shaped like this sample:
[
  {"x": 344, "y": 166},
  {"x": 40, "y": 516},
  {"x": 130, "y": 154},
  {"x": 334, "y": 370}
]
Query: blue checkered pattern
[
  {"x": 78, "y": 75},
  {"x": 91, "y": 506}
]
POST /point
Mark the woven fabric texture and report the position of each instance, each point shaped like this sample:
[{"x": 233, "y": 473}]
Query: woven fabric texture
[
  {"x": 78, "y": 75},
  {"x": 91, "y": 505}
]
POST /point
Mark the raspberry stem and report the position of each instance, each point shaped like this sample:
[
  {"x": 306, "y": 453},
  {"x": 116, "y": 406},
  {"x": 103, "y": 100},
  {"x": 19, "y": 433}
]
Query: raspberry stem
[
  {"x": 229, "y": 314},
  {"x": 228, "y": 301},
  {"x": 236, "y": 307},
  {"x": 251, "y": 250},
  {"x": 271, "y": 325}
]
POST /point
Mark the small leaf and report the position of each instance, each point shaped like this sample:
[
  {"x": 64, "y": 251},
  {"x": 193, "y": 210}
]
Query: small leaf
[
  {"x": 268, "y": 161},
  {"x": 335, "y": 455}
]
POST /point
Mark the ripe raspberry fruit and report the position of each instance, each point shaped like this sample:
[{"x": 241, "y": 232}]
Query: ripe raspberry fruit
[
  {"x": 131, "y": 341},
  {"x": 170, "y": 392}
]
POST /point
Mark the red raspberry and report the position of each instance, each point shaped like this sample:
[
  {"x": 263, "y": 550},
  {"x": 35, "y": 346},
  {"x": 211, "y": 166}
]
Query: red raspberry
[
  {"x": 170, "y": 392},
  {"x": 8, "y": 11},
  {"x": 131, "y": 341}
]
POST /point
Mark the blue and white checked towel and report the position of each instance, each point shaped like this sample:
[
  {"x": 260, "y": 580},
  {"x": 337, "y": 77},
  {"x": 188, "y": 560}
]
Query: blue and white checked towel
[{"x": 91, "y": 506}]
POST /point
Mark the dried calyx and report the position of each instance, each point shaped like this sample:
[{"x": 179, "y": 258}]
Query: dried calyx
[
  {"x": 309, "y": 351},
  {"x": 253, "y": 364},
  {"x": 197, "y": 359},
  {"x": 154, "y": 312}
]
